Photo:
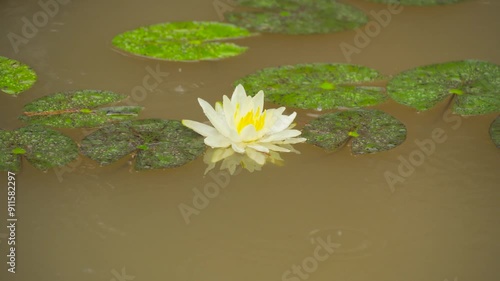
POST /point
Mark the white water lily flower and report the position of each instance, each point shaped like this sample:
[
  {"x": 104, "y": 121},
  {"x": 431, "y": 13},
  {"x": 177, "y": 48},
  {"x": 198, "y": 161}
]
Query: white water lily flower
[{"x": 242, "y": 124}]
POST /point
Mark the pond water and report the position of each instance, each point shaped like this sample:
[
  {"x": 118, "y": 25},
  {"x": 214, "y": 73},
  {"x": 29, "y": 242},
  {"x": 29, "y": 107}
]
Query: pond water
[{"x": 322, "y": 216}]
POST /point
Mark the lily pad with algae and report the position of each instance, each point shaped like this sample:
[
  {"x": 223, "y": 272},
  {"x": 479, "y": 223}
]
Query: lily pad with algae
[
  {"x": 297, "y": 16},
  {"x": 495, "y": 131},
  {"x": 15, "y": 77},
  {"x": 472, "y": 87},
  {"x": 417, "y": 2},
  {"x": 183, "y": 41},
  {"x": 77, "y": 109},
  {"x": 369, "y": 131},
  {"x": 43, "y": 147},
  {"x": 155, "y": 143},
  {"x": 317, "y": 86}
]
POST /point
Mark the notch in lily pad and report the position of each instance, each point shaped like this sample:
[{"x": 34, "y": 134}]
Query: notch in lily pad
[
  {"x": 318, "y": 86},
  {"x": 472, "y": 87},
  {"x": 418, "y": 2},
  {"x": 154, "y": 143},
  {"x": 495, "y": 131},
  {"x": 15, "y": 77},
  {"x": 43, "y": 147},
  {"x": 297, "y": 16},
  {"x": 78, "y": 109},
  {"x": 183, "y": 41},
  {"x": 369, "y": 131}
]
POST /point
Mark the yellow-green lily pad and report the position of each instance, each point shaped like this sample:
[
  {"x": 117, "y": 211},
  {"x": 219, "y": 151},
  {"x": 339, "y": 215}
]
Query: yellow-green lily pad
[
  {"x": 418, "y": 2},
  {"x": 77, "y": 109},
  {"x": 297, "y": 16},
  {"x": 472, "y": 87},
  {"x": 317, "y": 86},
  {"x": 44, "y": 148},
  {"x": 183, "y": 41},
  {"x": 495, "y": 131},
  {"x": 15, "y": 77},
  {"x": 369, "y": 131},
  {"x": 155, "y": 143}
]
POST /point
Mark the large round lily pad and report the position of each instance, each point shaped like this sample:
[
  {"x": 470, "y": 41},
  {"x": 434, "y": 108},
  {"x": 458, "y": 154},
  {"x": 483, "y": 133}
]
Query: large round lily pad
[
  {"x": 297, "y": 16},
  {"x": 495, "y": 131},
  {"x": 418, "y": 2},
  {"x": 317, "y": 86},
  {"x": 44, "y": 148},
  {"x": 183, "y": 41},
  {"x": 15, "y": 77},
  {"x": 473, "y": 87},
  {"x": 77, "y": 109},
  {"x": 156, "y": 143},
  {"x": 370, "y": 131}
]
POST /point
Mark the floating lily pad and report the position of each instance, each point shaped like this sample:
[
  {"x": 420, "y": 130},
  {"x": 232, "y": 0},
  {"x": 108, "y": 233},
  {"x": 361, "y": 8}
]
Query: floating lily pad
[
  {"x": 183, "y": 41},
  {"x": 369, "y": 130},
  {"x": 77, "y": 109},
  {"x": 44, "y": 148},
  {"x": 155, "y": 143},
  {"x": 317, "y": 86},
  {"x": 298, "y": 16},
  {"x": 418, "y": 2},
  {"x": 473, "y": 87},
  {"x": 15, "y": 77},
  {"x": 495, "y": 131}
]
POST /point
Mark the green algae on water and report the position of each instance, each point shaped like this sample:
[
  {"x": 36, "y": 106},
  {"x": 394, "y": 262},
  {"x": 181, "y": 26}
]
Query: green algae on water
[{"x": 15, "y": 77}]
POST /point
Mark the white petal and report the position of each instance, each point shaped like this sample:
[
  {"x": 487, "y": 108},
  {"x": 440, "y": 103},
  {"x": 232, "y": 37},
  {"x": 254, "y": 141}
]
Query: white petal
[
  {"x": 260, "y": 148},
  {"x": 217, "y": 141},
  {"x": 258, "y": 102},
  {"x": 214, "y": 118},
  {"x": 249, "y": 133},
  {"x": 258, "y": 157},
  {"x": 238, "y": 147},
  {"x": 293, "y": 140},
  {"x": 281, "y": 136},
  {"x": 200, "y": 128},
  {"x": 239, "y": 95},
  {"x": 282, "y": 123},
  {"x": 274, "y": 147}
]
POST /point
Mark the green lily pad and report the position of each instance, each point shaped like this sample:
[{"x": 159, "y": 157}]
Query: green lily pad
[
  {"x": 370, "y": 131},
  {"x": 183, "y": 41},
  {"x": 44, "y": 148},
  {"x": 156, "y": 143},
  {"x": 495, "y": 131},
  {"x": 473, "y": 87},
  {"x": 317, "y": 86},
  {"x": 297, "y": 16},
  {"x": 15, "y": 77},
  {"x": 77, "y": 109},
  {"x": 418, "y": 2}
]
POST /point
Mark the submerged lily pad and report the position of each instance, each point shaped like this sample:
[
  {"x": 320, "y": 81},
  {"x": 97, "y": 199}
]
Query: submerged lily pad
[
  {"x": 495, "y": 131},
  {"x": 77, "y": 109},
  {"x": 418, "y": 2},
  {"x": 298, "y": 16},
  {"x": 156, "y": 143},
  {"x": 183, "y": 41},
  {"x": 370, "y": 131},
  {"x": 15, "y": 77},
  {"x": 317, "y": 86},
  {"x": 44, "y": 148},
  {"x": 473, "y": 87}
]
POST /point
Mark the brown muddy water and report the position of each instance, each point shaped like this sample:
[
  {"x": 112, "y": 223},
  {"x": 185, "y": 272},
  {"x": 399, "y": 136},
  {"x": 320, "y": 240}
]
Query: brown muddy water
[{"x": 322, "y": 216}]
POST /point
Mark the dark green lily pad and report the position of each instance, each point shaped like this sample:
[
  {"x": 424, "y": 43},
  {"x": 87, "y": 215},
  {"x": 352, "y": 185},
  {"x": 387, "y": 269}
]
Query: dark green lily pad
[
  {"x": 495, "y": 131},
  {"x": 317, "y": 86},
  {"x": 418, "y": 2},
  {"x": 370, "y": 131},
  {"x": 15, "y": 77},
  {"x": 183, "y": 41},
  {"x": 298, "y": 16},
  {"x": 77, "y": 109},
  {"x": 44, "y": 148},
  {"x": 156, "y": 143},
  {"x": 473, "y": 87}
]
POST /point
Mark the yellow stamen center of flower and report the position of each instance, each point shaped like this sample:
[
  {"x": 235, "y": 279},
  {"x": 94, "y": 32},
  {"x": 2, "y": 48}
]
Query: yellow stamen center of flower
[{"x": 255, "y": 118}]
